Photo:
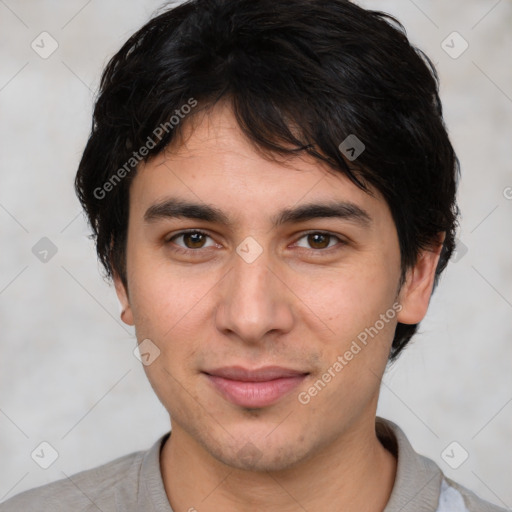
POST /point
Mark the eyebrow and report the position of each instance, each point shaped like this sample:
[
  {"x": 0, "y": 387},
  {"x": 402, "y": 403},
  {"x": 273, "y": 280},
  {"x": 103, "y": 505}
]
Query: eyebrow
[{"x": 178, "y": 208}]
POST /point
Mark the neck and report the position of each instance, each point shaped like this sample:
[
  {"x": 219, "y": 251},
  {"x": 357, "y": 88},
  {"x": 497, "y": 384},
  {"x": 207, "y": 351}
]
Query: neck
[{"x": 352, "y": 473}]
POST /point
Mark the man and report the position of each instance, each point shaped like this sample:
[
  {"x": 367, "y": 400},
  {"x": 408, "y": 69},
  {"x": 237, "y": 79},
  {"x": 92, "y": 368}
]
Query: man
[{"x": 272, "y": 190}]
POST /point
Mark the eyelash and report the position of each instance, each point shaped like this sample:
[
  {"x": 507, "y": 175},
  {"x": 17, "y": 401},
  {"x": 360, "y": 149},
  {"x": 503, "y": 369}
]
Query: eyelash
[{"x": 181, "y": 250}]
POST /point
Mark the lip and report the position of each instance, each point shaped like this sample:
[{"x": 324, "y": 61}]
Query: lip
[{"x": 255, "y": 388}]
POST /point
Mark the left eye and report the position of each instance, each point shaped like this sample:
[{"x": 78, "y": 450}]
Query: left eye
[
  {"x": 320, "y": 238},
  {"x": 195, "y": 240}
]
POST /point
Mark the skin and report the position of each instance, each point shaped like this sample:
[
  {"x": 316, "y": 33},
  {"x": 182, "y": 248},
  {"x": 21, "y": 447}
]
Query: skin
[{"x": 296, "y": 305}]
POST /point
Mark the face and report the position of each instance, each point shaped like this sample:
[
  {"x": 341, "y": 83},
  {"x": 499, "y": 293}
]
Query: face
[{"x": 248, "y": 286}]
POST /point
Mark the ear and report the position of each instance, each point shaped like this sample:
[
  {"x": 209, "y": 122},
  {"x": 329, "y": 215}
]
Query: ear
[
  {"x": 417, "y": 289},
  {"x": 122, "y": 295}
]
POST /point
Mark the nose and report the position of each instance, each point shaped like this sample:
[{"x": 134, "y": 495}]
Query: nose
[{"x": 254, "y": 300}]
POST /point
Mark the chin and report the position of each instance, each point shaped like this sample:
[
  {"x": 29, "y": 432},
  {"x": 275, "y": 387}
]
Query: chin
[{"x": 260, "y": 456}]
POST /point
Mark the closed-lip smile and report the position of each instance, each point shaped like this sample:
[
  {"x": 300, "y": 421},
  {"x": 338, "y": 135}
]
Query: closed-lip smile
[{"x": 254, "y": 388}]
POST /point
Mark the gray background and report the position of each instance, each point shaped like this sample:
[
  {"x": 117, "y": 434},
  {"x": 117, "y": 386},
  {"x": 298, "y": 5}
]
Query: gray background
[{"x": 68, "y": 375}]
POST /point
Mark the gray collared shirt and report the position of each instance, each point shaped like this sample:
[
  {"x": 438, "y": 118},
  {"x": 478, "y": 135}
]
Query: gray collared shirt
[{"x": 133, "y": 483}]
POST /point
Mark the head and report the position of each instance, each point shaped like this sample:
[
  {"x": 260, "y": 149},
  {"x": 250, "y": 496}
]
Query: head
[{"x": 247, "y": 109}]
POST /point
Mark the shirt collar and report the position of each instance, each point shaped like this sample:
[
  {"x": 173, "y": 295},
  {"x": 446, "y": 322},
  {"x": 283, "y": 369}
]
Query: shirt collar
[
  {"x": 418, "y": 479},
  {"x": 152, "y": 496}
]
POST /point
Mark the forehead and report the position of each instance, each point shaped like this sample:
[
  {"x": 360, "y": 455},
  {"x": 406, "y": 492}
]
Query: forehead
[{"x": 214, "y": 163}]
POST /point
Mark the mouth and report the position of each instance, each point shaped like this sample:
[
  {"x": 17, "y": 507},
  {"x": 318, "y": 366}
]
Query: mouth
[{"x": 254, "y": 388}]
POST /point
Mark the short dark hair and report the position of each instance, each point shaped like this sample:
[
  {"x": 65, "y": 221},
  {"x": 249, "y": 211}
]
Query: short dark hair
[{"x": 300, "y": 76}]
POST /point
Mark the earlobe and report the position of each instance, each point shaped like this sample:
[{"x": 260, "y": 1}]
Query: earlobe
[
  {"x": 417, "y": 289},
  {"x": 122, "y": 295},
  {"x": 127, "y": 317}
]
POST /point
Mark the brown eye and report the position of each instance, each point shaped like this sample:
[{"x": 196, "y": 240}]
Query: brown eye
[
  {"x": 192, "y": 240},
  {"x": 318, "y": 240}
]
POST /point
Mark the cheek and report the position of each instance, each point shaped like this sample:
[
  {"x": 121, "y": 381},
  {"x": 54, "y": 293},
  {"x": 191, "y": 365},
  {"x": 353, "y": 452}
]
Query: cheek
[
  {"x": 164, "y": 306},
  {"x": 349, "y": 299},
  {"x": 168, "y": 304},
  {"x": 161, "y": 292}
]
